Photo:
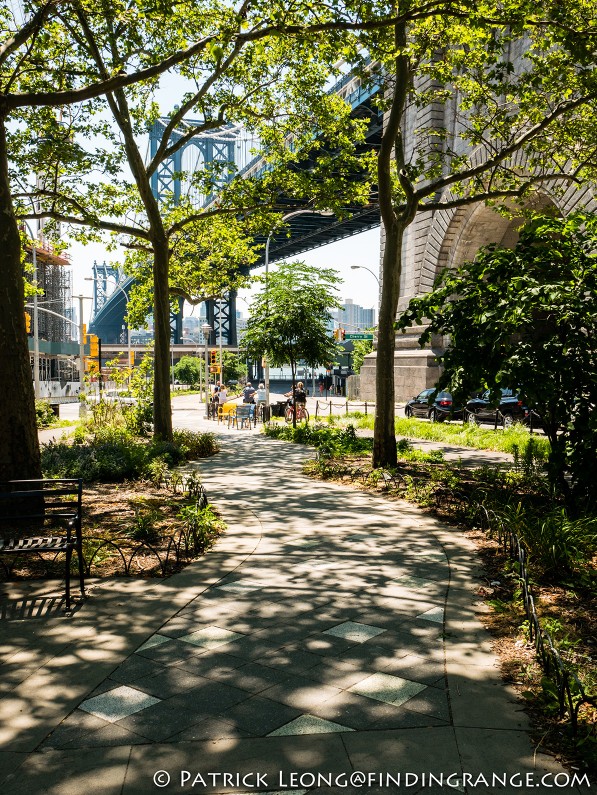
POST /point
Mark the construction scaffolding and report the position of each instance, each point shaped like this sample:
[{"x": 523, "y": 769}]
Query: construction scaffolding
[{"x": 54, "y": 280}]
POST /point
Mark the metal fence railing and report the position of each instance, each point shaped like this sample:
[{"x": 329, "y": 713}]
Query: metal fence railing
[{"x": 571, "y": 693}]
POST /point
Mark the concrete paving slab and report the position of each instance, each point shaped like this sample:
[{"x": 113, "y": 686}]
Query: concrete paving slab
[
  {"x": 99, "y": 771},
  {"x": 275, "y": 586},
  {"x": 275, "y": 759}
]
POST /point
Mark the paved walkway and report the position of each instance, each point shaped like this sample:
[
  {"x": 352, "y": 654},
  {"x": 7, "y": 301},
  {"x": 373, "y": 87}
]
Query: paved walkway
[{"x": 330, "y": 634}]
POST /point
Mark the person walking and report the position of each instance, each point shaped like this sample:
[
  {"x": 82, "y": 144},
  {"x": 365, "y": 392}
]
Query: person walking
[{"x": 248, "y": 393}]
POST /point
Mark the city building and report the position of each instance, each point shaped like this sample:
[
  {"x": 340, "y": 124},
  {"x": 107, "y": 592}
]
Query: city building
[
  {"x": 354, "y": 317},
  {"x": 56, "y": 333}
]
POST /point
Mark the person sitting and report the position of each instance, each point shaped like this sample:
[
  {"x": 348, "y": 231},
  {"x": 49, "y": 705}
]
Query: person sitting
[
  {"x": 248, "y": 393},
  {"x": 299, "y": 396},
  {"x": 260, "y": 395}
]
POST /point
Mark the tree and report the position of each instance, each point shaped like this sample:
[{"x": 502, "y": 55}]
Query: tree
[
  {"x": 234, "y": 367},
  {"x": 360, "y": 348},
  {"x": 187, "y": 370},
  {"x": 526, "y": 318},
  {"x": 518, "y": 128},
  {"x": 258, "y": 67},
  {"x": 49, "y": 94},
  {"x": 290, "y": 316}
]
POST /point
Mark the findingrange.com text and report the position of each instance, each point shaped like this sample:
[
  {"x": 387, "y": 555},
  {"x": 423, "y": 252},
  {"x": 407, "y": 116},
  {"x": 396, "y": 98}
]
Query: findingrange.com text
[{"x": 405, "y": 781}]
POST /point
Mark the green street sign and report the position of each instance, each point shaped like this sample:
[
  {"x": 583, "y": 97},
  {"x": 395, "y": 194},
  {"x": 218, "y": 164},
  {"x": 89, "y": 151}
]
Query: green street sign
[{"x": 358, "y": 336}]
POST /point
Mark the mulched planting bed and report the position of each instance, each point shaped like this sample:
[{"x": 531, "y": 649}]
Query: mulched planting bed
[{"x": 138, "y": 517}]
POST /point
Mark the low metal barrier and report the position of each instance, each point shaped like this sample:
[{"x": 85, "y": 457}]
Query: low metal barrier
[{"x": 570, "y": 690}]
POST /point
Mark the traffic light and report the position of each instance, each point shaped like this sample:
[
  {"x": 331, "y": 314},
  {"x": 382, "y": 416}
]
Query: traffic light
[
  {"x": 336, "y": 334},
  {"x": 132, "y": 358},
  {"x": 93, "y": 346},
  {"x": 341, "y": 334},
  {"x": 213, "y": 357},
  {"x": 28, "y": 322}
]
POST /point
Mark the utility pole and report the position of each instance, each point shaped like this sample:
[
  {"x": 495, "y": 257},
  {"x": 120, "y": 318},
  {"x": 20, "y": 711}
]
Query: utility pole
[{"x": 81, "y": 347}]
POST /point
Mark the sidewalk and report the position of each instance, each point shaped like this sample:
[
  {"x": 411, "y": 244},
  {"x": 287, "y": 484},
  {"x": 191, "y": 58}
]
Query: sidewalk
[{"x": 329, "y": 633}]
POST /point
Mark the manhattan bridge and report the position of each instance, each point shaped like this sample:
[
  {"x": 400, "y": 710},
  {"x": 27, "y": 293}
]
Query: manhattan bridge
[{"x": 229, "y": 149}]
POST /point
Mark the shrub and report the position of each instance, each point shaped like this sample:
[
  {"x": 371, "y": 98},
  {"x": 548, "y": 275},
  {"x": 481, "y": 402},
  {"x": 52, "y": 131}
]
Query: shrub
[
  {"x": 202, "y": 526},
  {"x": 113, "y": 453},
  {"x": 144, "y": 527},
  {"x": 44, "y": 414},
  {"x": 194, "y": 444},
  {"x": 104, "y": 461},
  {"x": 554, "y": 541}
]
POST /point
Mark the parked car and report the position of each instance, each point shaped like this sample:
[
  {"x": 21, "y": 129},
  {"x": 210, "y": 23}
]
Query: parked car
[
  {"x": 511, "y": 409},
  {"x": 440, "y": 408}
]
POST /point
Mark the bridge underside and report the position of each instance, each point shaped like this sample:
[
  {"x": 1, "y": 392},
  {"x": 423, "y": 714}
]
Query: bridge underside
[{"x": 304, "y": 232}]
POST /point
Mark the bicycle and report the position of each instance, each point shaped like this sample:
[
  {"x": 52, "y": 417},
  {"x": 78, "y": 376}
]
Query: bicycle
[{"x": 301, "y": 413}]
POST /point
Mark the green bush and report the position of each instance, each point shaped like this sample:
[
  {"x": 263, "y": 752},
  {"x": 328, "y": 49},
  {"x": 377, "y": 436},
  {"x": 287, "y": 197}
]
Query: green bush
[
  {"x": 44, "y": 414},
  {"x": 333, "y": 442},
  {"x": 555, "y": 542},
  {"x": 112, "y": 453},
  {"x": 194, "y": 444},
  {"x": 202, "y": 526}
]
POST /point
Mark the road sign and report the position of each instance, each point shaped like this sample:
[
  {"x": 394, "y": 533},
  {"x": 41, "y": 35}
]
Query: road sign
[{"x": 358, "y": 336}]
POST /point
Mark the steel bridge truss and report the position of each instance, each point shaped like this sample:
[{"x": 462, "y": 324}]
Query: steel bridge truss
[{"x": 170, "y": 180}]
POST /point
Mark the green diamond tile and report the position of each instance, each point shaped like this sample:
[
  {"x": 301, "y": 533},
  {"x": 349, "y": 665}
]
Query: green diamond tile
[
  {"x": 153, "y": 641},
  {"x": 211, "y": 637},
  {"x": 309, "y": 724},
  {"x": 387, "y": 688},
  {"x": 352, "y": 630},
  {"x": 118, "y": 703},
  {"x": 436, "y": 614}
]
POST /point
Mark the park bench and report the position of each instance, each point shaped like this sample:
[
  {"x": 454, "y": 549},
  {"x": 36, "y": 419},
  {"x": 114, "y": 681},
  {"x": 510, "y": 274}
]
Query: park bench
[{"x": 43, "y": 516}]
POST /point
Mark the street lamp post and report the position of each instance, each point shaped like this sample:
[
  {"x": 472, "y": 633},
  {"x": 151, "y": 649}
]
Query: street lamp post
[
  {"x": 364, "y": 268},
  {"x": 206, "y": 329},
  {"x": 325, "y": 214}
]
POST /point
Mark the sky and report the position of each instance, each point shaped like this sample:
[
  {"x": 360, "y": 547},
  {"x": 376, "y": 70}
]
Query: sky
[{"x": 359, "y": 285}]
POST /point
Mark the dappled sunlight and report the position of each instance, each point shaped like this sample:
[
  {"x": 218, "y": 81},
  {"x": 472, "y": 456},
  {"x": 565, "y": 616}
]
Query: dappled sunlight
[{"x": 328, "y": 629}]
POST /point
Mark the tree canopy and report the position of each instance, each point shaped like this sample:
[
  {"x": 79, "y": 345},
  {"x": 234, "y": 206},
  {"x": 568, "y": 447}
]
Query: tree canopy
[
  {"x": 290, "y": 317},
  {"x": 526, "y": 318},
  {"x": 486, "y": 102}
]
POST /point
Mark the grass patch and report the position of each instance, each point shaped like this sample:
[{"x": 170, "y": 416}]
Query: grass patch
[{"x": 510, "y": 440}]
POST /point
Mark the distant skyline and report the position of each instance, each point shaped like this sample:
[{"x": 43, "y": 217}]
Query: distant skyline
[{"x": 358, "y": 285}]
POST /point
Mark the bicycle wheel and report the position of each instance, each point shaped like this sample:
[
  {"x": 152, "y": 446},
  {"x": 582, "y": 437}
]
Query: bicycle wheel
[
  {"x": 288, "y": 414},
  {"x": 302, "y": 414}
]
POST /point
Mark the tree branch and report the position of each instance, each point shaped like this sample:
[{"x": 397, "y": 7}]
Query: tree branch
[
  {"x": 490, "y": 195},
  {"x": 29, "y": 28},
  {"x": 94, "y": 223}
]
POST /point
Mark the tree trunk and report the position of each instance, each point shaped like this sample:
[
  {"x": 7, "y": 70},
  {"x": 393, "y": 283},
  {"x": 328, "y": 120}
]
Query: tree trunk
[
  {"x": 19, "y": 444},
  {"x": 162, "y": 412},
  {"x": 384, "y": 434},
  {"x": 395, "y": 220}
]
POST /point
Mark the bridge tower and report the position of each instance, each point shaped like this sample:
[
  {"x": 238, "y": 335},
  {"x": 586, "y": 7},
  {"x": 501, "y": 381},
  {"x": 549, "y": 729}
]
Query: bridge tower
[
  {"x": 104, "y": 277},
  {"x": 166, "y": 184}
]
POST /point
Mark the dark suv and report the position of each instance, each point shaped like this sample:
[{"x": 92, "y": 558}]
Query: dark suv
[
  {"x": 511, "y": 409},
  {"x": 438, "y": 410}
]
